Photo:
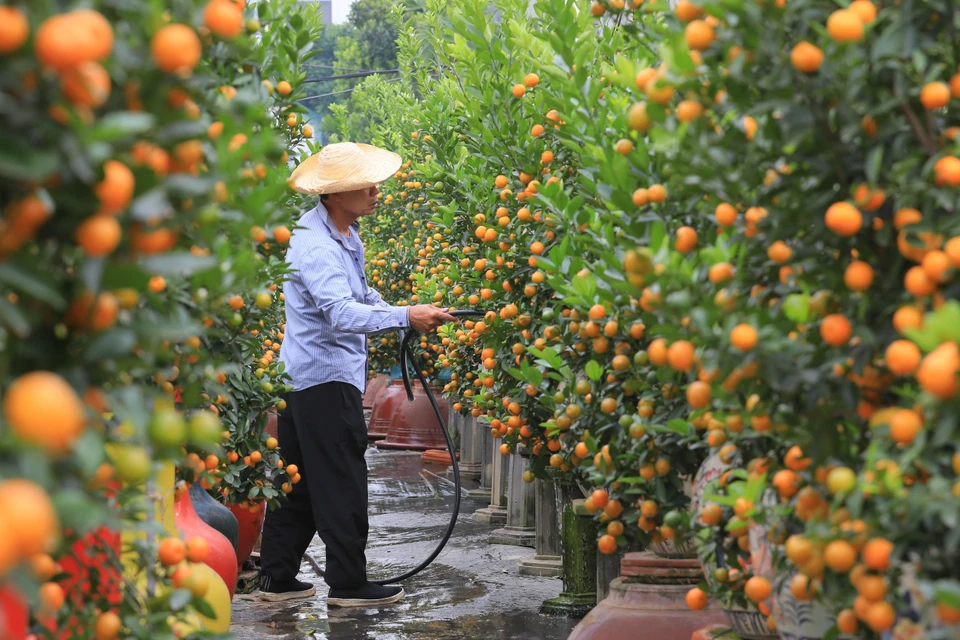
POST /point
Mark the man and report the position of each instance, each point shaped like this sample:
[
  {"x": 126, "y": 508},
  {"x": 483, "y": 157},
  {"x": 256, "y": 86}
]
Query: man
[{"x": 330, "y": 310}]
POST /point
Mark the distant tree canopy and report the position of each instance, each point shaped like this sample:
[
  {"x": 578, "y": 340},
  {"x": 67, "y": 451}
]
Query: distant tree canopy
[
  {"x": 375, "y": 33},
  {"x": 366, "y": 42}
]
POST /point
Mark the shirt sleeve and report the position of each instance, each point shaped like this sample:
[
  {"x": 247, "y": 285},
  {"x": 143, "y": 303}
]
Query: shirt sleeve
[
  {"x": 373, "y": 298},
  {"x": 327, "y": 282}
]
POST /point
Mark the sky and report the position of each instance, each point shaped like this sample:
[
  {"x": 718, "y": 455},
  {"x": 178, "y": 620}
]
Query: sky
[{"x": 341, "y": 9}]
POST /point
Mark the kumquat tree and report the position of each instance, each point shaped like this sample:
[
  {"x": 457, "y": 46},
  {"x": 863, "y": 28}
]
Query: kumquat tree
[
  {"x": 145, "y": 211},
  {"x": 704, "y": 233}
]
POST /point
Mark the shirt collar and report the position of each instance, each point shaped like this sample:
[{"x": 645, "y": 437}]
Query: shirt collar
[{"x": 347, "y": 242}]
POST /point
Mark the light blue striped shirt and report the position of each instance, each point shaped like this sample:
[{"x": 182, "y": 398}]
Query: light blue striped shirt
[{"x": 330, "y": 309}]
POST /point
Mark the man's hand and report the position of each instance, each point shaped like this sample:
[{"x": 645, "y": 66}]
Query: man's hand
[{"x": 426, "y": 318}]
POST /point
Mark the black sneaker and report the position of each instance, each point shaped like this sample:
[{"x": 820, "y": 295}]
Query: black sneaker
[
  {"x": 275, "y": 591},
  {"x": 369, "y": 595}
]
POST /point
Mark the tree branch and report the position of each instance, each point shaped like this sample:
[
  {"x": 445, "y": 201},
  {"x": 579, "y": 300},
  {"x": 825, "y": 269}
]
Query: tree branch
[{"x": 918, "y": 129}]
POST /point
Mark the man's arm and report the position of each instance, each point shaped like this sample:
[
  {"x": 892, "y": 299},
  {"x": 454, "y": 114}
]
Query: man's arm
[
  {"x": 373, "y": 298},
  {"x": 328, "y": 284}
]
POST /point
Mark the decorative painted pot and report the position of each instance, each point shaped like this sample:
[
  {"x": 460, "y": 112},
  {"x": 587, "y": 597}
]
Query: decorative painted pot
[
  {"x": 796, "y": 619},
  {"x": 748, "y": 624},
  {"x": 215, "y": 514},
  {"x": 919, "y": 620},
  {"x": 671, "y": 549},
  {"x": 250, "y": 526},
  {"x": 387, "y": 403},
  {"x": 711, "y": 469},
  {"x": 13, "y": 614},
  {"x": 221, "y": 557}
]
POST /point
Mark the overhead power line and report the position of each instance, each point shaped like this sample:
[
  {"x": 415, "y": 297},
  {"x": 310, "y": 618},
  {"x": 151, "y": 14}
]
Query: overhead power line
[
  {"x": 348, "y": 76},
  {"x": 337, "y": 93},
  {"x": 327, "y": 66}
]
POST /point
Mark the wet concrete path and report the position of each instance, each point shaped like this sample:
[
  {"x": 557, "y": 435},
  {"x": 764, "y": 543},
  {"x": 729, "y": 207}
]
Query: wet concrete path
[{"x": 472, "y": 591}]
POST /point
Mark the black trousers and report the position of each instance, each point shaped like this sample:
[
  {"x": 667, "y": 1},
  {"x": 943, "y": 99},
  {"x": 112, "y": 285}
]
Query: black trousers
[{"x": 323, "y": 432}]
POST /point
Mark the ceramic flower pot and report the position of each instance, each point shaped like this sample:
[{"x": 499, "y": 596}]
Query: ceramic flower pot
[
  {"x": 796, "y": 619},
  {"x": 917, "y": 620},
  {"x": 221, "y": 557},
  {"x": 250, "y": 525},
  {"x": 673, "y": 549},
  {"x": 748, "y": 624},
  {"x": 711, "y": 469},
  {"x": 215, "y": 514}
]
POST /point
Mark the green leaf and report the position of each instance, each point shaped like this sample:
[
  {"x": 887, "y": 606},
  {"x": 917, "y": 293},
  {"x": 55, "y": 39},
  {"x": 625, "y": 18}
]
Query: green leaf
[
  {"x": 873, "y": 164},
  {"x": 180, "y": 599},
  {"x": 31, "y": 284},
  {"x": 203, "y": 608},
  {"x": 188, "y": 185},
  {"x": 20, "y": 162},
  {"x": 111, "y": 344},
  {"x": 181, "y": 263},
  {"x": 593, "y": 370},
  {"x": 151, "y": 204},
  {"x": 678, "y": 425},
  {"x": 13, "y": 319},
  {"x": 77, "y": 510},
  {"x": 122, "y": 124},
  {"x": 948, "y": 592}
]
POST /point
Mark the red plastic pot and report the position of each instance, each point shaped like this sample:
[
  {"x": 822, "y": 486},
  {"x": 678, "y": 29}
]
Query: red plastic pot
[
  {"x": 250, "y": 526},
  {"x": 13, "y": 615},
  {"x": 221, "y": 558},
  {"x": 414, "y": 425},
  {"x": 386, "y": 405}
]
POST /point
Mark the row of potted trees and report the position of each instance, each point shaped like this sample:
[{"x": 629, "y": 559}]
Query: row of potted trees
[{"x": 704, "y": 250}]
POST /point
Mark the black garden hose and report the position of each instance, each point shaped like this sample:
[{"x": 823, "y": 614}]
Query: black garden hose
[{"x": 406, "y": 355}]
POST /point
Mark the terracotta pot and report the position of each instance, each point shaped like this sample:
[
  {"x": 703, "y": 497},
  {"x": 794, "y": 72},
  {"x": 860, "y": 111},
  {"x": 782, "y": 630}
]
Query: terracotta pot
[
  {"x": 222, "y": 557},
  {"x": 215, "y": 514},
  {"x": 374, "y": 387},
  {"x": 13, "y": 615},
  {"x": 414, "y": 425},
  {"x": 650, "y": 596},
  {"x": 250, "y": 526},
  {"x": 387, "y": 403}
]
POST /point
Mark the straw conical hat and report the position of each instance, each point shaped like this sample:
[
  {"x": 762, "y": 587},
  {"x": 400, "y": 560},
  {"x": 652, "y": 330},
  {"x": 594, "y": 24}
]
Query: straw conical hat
[{"x": 344, "y": 166}]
